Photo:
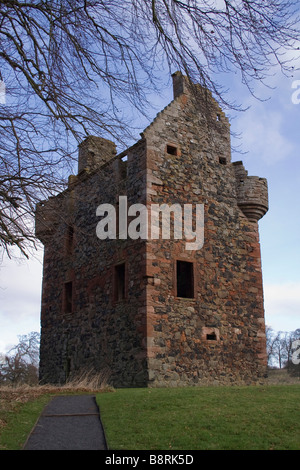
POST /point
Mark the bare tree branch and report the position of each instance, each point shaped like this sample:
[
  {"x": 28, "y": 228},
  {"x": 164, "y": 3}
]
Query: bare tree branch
[{"x": 74, "y": 68}]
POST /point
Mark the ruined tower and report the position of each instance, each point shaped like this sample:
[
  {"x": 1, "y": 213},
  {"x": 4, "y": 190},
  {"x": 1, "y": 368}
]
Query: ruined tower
[{"x": 146, "y": 308}]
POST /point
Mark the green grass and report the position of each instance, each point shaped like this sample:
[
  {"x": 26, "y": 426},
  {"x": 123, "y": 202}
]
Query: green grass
[
  {"x": 212, "y": 418},
  {"x": 20, "y": 422},
  {"x": 236, "y": 418}
]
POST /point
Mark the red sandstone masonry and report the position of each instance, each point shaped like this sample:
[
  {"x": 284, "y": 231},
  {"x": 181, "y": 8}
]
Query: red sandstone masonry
[
  {"x": 169, "y": 360},
  {"x": 152, "y": 337}
]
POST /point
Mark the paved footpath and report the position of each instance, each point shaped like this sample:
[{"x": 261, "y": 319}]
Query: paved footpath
[{"x": 68, "y": 423}]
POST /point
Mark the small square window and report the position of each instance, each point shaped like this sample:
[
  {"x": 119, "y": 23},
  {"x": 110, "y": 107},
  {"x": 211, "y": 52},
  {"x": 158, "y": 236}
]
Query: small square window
[
  {"x": 68, "y": 297},
  {"x": 222, "y": 160},
  {"x": 119, "y": 281},
  {"x": 185, "y": 279},
  {"x": 70, "y": 239},
  {"x": 211, "y": 337},
  {"x": 171, "y": 150}
]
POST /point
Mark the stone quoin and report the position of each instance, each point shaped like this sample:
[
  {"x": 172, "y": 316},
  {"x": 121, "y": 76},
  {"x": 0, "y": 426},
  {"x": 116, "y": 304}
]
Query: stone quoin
[{"x": 147, "y": 310}]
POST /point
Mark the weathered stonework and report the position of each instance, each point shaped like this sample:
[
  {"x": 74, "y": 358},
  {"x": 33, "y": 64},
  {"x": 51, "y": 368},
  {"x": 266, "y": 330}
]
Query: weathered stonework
[{"x": 148, "y": 335}]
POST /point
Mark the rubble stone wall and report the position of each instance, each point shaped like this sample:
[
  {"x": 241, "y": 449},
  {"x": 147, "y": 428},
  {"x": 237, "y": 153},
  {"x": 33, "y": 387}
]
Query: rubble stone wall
[{"x": 147, "y": 334}]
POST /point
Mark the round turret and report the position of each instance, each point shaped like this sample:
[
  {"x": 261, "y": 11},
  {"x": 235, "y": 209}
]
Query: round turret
[{"x": 252, "y": 193}]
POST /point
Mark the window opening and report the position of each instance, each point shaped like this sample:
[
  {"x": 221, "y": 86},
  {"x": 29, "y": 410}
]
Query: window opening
[
  {"x": 68, "y": 367},
  {"x": 222, "y": 160},
  {"x": 120, "y": 282},
  {"x": 211, "y": 337},
  {"x": 185, "y": 279},
  {"x": 171, "y": 150},
  {"x": 70, "y": 239},
  {"x": 68, "y": 297}
]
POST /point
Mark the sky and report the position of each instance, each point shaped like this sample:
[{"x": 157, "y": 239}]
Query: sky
[
  {"x": 270, "y": 132},
  {"x": 269, "y": 142}
]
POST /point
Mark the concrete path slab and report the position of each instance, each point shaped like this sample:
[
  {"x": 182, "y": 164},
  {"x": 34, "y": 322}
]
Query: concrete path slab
[{"x": 68, "y": 423}]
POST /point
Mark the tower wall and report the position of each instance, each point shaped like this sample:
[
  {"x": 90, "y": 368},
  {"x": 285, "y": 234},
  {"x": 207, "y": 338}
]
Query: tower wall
[
  {"x": 216, "y": 332},
  {"x": 99, "y": 331},
  {"x": 148, "y": 311}
]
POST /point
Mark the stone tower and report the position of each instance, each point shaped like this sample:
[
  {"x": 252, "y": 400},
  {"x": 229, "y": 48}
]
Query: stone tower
[{"x": 146, "y": 308}]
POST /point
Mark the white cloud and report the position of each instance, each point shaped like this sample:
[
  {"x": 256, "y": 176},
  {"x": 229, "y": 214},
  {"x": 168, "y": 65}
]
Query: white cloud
[
  {"x": 20, "y": 299},
  {"x": 282, "y": 305},
  {"x": 263, "y": 135},
  {"x": 269, "y": 128}
]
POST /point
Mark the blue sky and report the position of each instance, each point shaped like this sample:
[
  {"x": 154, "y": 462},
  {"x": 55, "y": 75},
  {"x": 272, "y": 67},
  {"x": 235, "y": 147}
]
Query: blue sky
[{"x": 270, "y": 137}]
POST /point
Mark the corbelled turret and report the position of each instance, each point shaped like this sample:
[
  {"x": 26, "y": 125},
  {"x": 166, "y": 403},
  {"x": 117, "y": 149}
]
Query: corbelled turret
[{"x": 252, "y": 193}]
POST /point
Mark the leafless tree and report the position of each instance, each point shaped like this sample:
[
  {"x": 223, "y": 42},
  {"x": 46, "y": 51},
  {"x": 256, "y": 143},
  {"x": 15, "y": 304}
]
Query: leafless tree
[
  {"x": 73, "y": 68},
  {"x": 280, "y": 348},
  {"x": 20, "y": 364}
]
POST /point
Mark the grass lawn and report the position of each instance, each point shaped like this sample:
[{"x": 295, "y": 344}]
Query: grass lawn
[
  {"x": 212, "y": 418},
  {"x": 21, "y": 419},
  {"x": 21, "y": 405}
]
